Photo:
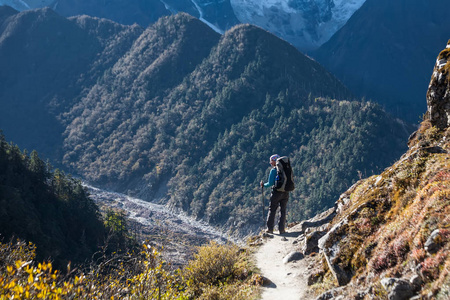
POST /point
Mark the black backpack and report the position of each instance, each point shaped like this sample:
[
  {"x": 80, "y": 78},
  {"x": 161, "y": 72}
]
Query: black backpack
[{"x": 284, "y": 182}]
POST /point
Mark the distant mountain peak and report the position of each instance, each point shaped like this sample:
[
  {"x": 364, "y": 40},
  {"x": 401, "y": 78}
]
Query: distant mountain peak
[{"x": 305, "y": 24}]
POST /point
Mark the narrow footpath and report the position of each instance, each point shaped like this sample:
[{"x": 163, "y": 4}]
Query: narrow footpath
[{"x": 288, "y": 281}]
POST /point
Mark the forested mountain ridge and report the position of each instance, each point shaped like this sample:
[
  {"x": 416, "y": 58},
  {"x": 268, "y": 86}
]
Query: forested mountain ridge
[
  {"x": 130, "y": 94},
  {"x": 204, "y": 103},
  {"x": 179, "y": 113},
  {"x": 47, "y": 61}
]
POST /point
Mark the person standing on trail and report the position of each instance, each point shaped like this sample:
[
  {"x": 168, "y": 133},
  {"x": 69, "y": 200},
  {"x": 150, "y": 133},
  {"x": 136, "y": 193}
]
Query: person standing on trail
[{"x": 277, "y": 198}]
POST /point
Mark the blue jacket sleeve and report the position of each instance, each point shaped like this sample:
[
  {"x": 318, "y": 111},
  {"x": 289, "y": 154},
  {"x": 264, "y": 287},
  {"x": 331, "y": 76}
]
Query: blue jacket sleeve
[{"x": 272, "y": 176}]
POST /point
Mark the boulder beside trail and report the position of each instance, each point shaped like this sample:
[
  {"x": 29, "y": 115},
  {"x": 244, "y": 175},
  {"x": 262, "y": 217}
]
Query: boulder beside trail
[{"x": 433, "y": 242}]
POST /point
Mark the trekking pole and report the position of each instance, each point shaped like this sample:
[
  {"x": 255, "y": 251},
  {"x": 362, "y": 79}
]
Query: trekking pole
[{"x": 262, "y": 195}]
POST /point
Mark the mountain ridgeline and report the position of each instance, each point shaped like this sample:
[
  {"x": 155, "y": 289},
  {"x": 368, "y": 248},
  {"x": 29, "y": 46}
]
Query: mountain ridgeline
[
  {"x": 47, "y": 61},
  {"x": 181, "y": 114}
]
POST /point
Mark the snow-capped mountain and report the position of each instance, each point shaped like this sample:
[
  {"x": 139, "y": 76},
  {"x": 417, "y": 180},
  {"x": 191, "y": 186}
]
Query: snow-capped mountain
[{"x": 306, "y": 24}]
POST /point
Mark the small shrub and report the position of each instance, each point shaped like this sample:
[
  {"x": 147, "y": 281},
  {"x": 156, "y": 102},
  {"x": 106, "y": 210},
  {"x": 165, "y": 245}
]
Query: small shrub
[
  {"x": 442, "y": 176},
  {"x": 221, "y": 271},
  {"x": 386, "y": 259},
  {"x": 375, "y": 221},
  {"x": 445, "y": 233},
  {"x": 379, "y": 291},
  {"x": 364, "y": 226},
  {"x": 419, "y": 254},
  {"x": 431, "y": 266},
  {"x": 227, "y": 292},
  {"x": 401, "y": 247},
  {"x": 212, "y": 264},
  {"x": 327, "y": 283},
  {"x": 432, "y": 134}
]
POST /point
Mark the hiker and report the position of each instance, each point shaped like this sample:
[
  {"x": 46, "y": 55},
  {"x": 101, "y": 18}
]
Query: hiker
[{"x": 277, "y": 198}]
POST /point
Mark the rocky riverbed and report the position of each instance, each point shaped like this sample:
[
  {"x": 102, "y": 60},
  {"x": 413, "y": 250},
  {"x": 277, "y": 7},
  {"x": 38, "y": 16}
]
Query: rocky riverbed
[{"x": 176, "y": 234}]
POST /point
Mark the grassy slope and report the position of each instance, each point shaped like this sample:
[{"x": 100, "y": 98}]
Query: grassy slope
[{"x": 391, "y": 216}]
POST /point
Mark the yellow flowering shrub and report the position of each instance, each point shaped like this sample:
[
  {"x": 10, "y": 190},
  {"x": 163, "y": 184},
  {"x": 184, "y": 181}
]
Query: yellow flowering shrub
[{"x": 216, "y": 272}]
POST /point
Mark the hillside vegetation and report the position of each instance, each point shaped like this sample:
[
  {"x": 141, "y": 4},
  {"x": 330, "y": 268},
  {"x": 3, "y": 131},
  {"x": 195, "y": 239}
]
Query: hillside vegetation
[
  {"x": 219, "y": 272},
  {"x": 56, "y": 245},
  {"x": 390, "y": 237},
  {"x": 46, "y": 207},
  {"x": 179, "y": 114}
]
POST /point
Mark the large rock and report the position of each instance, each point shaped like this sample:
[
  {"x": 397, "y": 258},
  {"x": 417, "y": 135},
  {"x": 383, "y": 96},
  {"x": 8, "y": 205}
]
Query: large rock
[
  {"x": 438, "y": 95},
  {"x": 319, "y": 221},
  {"x": 310, "y": 243},
  {"x": 293, "y": 256},
  {"x": 329, "y": 246},
  {"x": 313, "y": 229},
  {"x": 398, "y": 289},
  {"x": 433, "y": 242}
]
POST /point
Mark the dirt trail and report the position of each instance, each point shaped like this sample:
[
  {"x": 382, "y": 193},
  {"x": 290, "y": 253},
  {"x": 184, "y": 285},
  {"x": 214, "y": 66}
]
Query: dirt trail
[{"x": 288, "y": 280}]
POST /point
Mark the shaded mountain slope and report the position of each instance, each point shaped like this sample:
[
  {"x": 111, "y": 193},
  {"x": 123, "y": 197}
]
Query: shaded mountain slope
[
  {"x": 385, "y": 50},
  {"x": 390, "y": 235},
  {"x": 5, "y": 12},
  {"x": 47, "y": 208},
  {"x": 46, "y": 61},
  {"x": 39, "y": 50}
]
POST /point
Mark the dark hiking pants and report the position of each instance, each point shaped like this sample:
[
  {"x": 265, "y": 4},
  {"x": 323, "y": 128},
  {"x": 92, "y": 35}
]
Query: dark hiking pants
[{"x": 277, "y": 199}]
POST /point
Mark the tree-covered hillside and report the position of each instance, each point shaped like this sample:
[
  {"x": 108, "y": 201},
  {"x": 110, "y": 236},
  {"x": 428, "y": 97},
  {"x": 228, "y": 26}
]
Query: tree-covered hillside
[
  {"x": 46, "y": 207},
  {"x": 331, "y": 143},
  {"x": 180, "y": 114}
]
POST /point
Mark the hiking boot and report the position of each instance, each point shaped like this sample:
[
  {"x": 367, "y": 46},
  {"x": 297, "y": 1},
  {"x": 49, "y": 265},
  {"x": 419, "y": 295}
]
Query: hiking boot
[
  {"x": 282, "y": 231},
  {"x": 268, "y": 231}
]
